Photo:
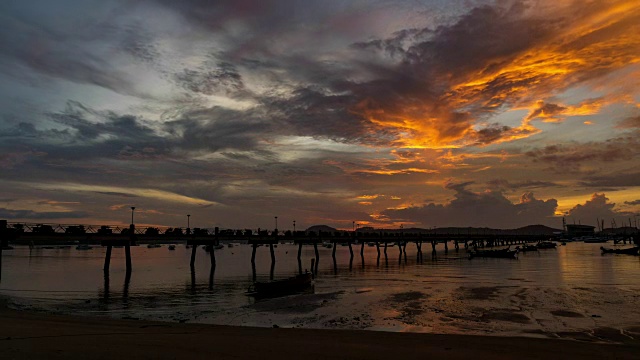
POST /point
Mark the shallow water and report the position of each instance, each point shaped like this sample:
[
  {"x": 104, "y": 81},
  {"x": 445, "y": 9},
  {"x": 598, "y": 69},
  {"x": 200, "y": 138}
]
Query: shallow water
[{"x": 569, "y": 292}]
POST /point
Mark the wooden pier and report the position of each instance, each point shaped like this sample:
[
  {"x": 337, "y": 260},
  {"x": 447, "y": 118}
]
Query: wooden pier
[{"x": 104, "y": 235}]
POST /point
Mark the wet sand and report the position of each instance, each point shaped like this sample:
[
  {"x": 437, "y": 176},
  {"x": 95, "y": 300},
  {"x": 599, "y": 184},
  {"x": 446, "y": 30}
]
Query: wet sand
[{"x": 33, "y": 335}]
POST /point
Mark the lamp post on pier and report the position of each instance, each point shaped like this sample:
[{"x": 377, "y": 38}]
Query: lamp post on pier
[
  {"x": 276, "y": 223},
  {"x": 188, "y": 224},
  {"x": 294, "y": 227},
  {"x": 132, "y": 209}
]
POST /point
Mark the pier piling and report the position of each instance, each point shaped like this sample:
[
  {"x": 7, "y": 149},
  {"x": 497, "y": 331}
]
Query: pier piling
[
  {"x": 127, "y": 252},
  {"x": 107, "y": 259}
]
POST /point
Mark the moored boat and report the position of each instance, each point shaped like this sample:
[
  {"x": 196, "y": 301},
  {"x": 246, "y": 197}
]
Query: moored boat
[
  {"x": 527, "y": 248},
  {"x": 627, "y": 251},
  {"x": 84, "y": 247},
  {"x": 594, "y": 240},
  {"x": 503, "y": 253},
  {"x": 172, "y": 247},
  {"x": 547, "y": 245},
  {"x": 282, "y": 287}
]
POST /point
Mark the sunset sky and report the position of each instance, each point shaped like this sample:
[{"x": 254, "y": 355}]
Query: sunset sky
[{"x": 387, "y": 113}]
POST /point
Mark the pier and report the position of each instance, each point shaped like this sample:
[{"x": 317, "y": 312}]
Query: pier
[{"x": 116, "y": 236}]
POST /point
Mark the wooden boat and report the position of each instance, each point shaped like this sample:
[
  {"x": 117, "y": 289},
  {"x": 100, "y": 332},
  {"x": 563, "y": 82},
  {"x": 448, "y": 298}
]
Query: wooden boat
[
  {"x": 527, "y": 248},
  {"x": 594, "y": 240},
  {"x": 152, "y": 246},
  {"x": 627, "y": 251},
  {"x": 504, "y": 253},
  {"x": 547, "y": 245},
  {"x": 172, "y": 247},
  {"x": 282, "y": 287}
]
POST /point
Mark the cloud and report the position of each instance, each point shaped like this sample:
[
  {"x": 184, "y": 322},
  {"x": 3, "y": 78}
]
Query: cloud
[
  {"x": 629, "y": 123},
  {"x": 634, "y": 202},
  {"x": 211, "y": 78},
  {"x": 527, "y": 184},
  {"x": 611, "y": 181},
  {"x": 35, "y": 215},
  {"x": 598, "y": 207},
  {"x": 549, "y": 112},
  {"x": 571, "y": 157},
  {"x": 490, "y": 209}
]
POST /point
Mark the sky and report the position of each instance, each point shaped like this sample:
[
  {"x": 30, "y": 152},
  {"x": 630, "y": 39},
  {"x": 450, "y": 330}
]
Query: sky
[{"x": 426, "y": 114}]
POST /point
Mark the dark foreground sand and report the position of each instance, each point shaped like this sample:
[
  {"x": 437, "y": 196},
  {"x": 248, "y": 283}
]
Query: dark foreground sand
[{"x": 28, "y": 335}]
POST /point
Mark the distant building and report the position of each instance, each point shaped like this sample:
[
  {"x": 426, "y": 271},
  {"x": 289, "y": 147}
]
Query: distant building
[{"x": 574, "y": 230}]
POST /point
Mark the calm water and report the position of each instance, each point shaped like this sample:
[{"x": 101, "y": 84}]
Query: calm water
[{"x": 571, "y": 292}]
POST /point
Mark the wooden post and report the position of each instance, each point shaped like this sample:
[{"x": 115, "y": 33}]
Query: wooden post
[
  {"x": 253, "y": 253},
  {"x": 333, "y": 252},
  {"x": 378, "y": 249},
  {"x": 107, "y": 259},
  {"x": 127, "y": 252},
  {"x": 362, "y": 250},
  {"x": 313, "y": 261},
  {"x": 317, "y": 259},
  {"x": 212, "y": 254},
  {"x": 385, "y": 249},
  {"x": 193, "y": 255},
  {"x": 350, "y": 250},
  {"x": 253, "y": 261},
  {"x": 273, "y": 254},
  {"x": 446, "y": 246}
]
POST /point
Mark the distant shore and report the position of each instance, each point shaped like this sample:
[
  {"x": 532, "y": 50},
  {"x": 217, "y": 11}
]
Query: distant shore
[{"x": 34, "y": 335}]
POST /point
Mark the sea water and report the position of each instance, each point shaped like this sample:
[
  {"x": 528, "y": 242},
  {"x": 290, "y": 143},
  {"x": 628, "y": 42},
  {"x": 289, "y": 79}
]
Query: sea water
[{"x": 569, "y": 292}]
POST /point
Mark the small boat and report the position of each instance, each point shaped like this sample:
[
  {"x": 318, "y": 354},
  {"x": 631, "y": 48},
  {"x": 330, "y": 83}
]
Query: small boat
[
  {"x": 547, "y": 245},
  {"x": 327, "y": 244},
  {"x": 84, "y": 247},
  {"x": 152, "y": 246},
  {"x": 627, "y": 251},
  {"x": 504, "y": 253},
  {"x": 230, "y": 245},
  {"x": 371, "y": 244},
  {"x": 282, "y": 287},
  {"x": 527, "y": 248},
  {"x": 594, "y": 240},
  {"x": 172, "y": 247}
]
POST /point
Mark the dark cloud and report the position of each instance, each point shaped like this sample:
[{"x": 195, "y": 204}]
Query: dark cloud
[
  {"x": 598, "y": 207},
  {"x": 490, "y": 209},
  {"x": 546, "y": 111},
  {"x": 527, "y": 184},
  {"x": 137, "y": 42},
  {"x": 58, "y": 56},
  {"x": 634, "y": 202},
  {"x": 613, "y": 180},
  {"x": 211, "y": 79},
  {"x": 629, "y": 123},
  {"x": 113, "y": 193},
  {"x": 570, "y": 157},
  {"x": 35, "y": 215}
]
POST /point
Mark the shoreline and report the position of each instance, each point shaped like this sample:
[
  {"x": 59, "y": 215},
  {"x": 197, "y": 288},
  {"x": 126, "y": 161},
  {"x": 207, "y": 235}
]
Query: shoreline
[{"x": 33, "y": 335}]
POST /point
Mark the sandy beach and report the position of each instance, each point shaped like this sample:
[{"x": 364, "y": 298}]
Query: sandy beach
[{"x": 33, "y": 335}]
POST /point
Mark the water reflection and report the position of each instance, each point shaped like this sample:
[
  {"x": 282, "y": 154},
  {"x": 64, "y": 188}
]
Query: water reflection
[{"x": 165, "y": 281}]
